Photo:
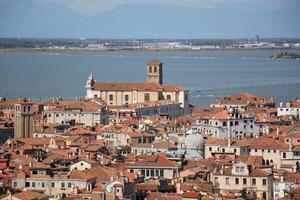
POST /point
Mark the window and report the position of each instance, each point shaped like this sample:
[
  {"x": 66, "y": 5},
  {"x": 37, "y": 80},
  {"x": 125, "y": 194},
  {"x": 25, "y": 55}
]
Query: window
[
  {"x": 236, "y": 123},
  {"x": 264, "y": 181},
  {"x": 147, "y": 97},
  {"x": 284, "y": 155},
  {"x": 237, "y": 169},
  {"x": 69, "y": 184},
  {"x": 143, "y": 172},
  {"x": 161, "y": 172},
  {"x": 140, "y": 140},
  {"x": 224, "y": 123},
  {"x": 210, "y": 148},
  {"x": 63, "y": 185},
  {"x": 152, "y": 172},
  {"x": 237, "y": 181},
  {"x": 43, "y": 184},
  {"x": 155, "y": 69},
  {"x": 126, "y": 97},
  {"x": 52, "y": 184},
  {"x": 150, "y": 69},
  {"x": 253, "y": 181},
  {"x": 244, "y": 181},
  {"x": 168, "y": 97},
  {"x": 242, "y": 169},
  {"x": 227, "y": 181},
  {"x": 216, "y": 180},
  {"x": 32, "y": 184},
  {"x": 15, "y": 184}
]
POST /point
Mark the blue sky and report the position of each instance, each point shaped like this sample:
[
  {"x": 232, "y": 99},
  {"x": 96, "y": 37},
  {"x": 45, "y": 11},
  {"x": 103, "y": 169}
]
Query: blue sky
[{"x": 149, "y": 18}]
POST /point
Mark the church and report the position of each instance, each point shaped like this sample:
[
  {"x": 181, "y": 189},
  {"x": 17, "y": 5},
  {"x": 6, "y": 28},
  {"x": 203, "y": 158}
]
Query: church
[{"x": 153, "y": 90}]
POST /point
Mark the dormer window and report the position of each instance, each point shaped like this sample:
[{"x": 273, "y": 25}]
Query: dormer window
[{"x": 237, "y": 169}]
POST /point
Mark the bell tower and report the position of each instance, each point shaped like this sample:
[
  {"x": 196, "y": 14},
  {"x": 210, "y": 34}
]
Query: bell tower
[
  {"x": 154, "y": 71},
  {"x": 23, "y": 120}
]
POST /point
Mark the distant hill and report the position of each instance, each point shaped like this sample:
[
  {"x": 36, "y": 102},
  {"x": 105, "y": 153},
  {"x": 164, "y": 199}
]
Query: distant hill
[{"x": 31, "y": 18}]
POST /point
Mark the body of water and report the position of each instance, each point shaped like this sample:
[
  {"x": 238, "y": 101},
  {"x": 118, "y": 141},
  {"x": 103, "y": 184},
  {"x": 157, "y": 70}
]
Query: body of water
[{"x": 207, "y": 74}]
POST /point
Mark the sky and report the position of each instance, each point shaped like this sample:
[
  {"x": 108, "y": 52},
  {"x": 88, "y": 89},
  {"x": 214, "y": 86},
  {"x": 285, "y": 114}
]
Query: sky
[{"x": 135, "y": 19}]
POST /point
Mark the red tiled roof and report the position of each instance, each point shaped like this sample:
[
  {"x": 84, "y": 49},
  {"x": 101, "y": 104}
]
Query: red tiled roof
[
  {"x": 154, "y": 62},
  {"x": 191, "y": 195},
  {"x": 154, "y": 161},
  {"x": 108, "y": 86}
]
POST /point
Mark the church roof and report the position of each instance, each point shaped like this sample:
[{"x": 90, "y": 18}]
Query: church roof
[{"x": 111, "y": 86}]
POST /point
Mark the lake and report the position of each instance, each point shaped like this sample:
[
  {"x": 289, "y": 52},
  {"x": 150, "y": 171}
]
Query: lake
[{"x": 207, "y": 74}]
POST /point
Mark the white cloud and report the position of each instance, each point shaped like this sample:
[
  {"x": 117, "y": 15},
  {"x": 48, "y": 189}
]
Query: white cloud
[{"x": 91, "y": 7}]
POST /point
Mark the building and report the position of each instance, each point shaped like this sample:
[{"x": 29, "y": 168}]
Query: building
[
  {"x": 164, "y": 108},
  {"x": 290, "y": 109},
  {"x": 57, "y": 185},
  {"x": 83, "y": 111},
  {"x": 242, "y": 179},
  {"x": 6, "y": 132},
  {"x": 155, "y": 166},
  {"x": 118, "y": 94},
  {"x": 242, "y": 101},
  {"x": 23, "y": 120},
  {"x": 227, "y": 123}
]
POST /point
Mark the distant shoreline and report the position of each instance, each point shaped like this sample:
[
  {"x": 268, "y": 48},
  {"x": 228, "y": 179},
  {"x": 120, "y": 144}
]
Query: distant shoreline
[{"x": 137, "y": 50}]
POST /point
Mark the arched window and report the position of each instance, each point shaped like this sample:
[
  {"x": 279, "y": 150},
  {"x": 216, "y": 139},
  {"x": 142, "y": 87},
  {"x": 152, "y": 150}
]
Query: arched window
[
  {"x": 267, "y": 162},
  {"x": 263, "y": 161},
  {"x": 150, "y": 69},
  {"x": 168, "y": 97},
  {"x": 155, "y": 69}
]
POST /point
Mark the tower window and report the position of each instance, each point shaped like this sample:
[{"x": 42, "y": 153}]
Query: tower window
[
  {"x": 150, "y": 69},
  {"x": 155, "y": 69}
]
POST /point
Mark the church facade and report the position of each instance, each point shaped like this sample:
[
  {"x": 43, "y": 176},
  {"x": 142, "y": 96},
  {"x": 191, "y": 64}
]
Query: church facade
[{"x": 118, "y": 94}]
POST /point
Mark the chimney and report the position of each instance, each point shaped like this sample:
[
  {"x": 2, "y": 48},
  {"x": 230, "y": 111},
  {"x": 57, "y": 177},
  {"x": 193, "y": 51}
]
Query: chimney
[
  {"x": 277, "y": 131},
  {"x": 267, "y": 130},
  {"x": 228, "y": 133},
  {"x": 281, "y": 178},
  {"x": 290, "y": 146}
]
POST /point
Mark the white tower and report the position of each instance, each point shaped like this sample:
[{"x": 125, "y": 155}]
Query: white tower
[{"x": 89, "y": 84}]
